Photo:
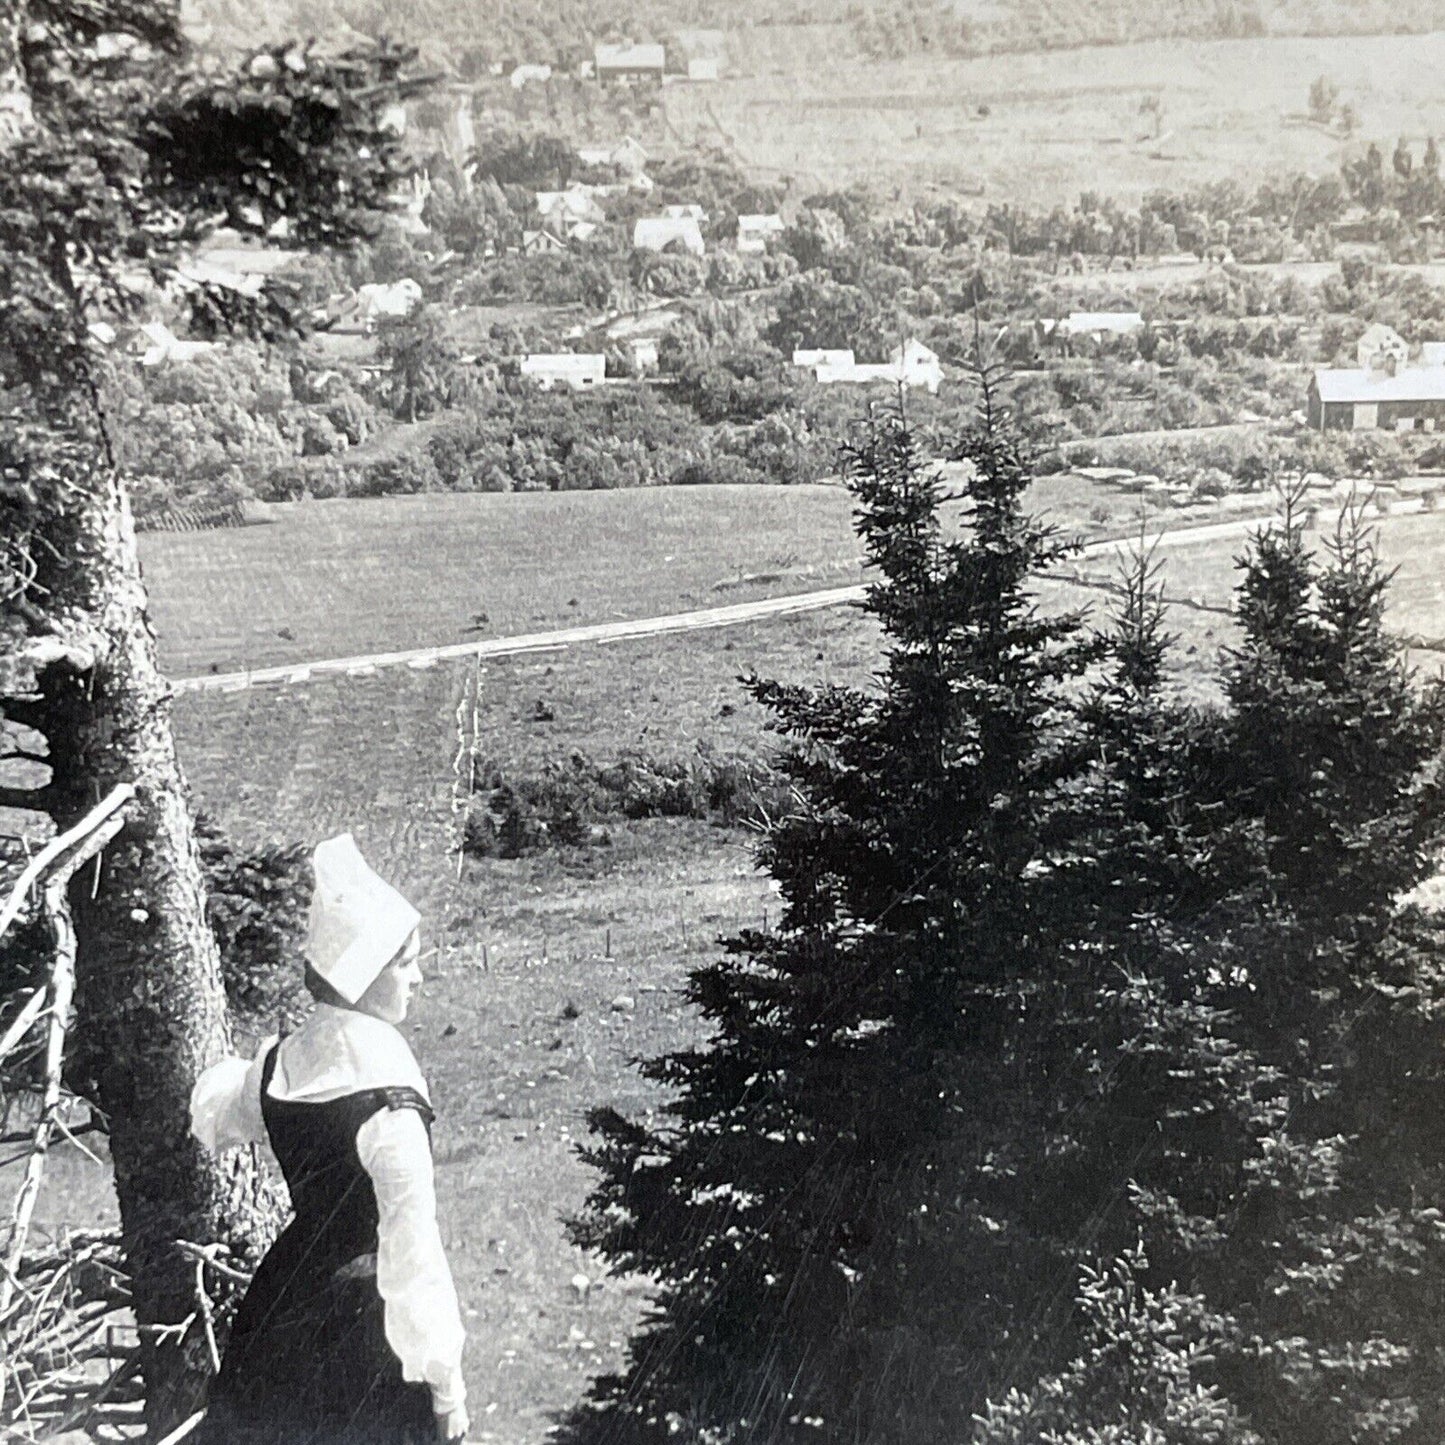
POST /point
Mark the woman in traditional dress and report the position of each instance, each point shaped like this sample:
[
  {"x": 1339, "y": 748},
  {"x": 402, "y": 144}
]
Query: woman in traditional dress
[{"x": 350, "y": 1330}]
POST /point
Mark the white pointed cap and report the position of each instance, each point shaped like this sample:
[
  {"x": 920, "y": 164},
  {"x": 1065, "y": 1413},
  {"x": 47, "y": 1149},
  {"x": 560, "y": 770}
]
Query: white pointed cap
[{"x": 358, "y": 921}]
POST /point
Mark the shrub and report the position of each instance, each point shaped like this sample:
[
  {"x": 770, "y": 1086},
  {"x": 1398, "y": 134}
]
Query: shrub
[
  {"x": 403, "y": 474},
  {"x": 256, "y": 905},
  {"x": 566, "y": 803},
  {"x": 716, "y": 471}
]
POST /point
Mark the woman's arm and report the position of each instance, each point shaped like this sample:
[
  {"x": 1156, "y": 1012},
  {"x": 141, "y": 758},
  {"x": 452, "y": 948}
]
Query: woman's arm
[
  {"x": 423, "y": 1320},
  {"x": 226, "y": 1102}
]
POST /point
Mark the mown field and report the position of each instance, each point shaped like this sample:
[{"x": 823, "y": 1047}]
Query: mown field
[
  {"x": 1064, "y": 121},
  {"x": 347, "y": 577},
  {"x": 350, "y": 577}
]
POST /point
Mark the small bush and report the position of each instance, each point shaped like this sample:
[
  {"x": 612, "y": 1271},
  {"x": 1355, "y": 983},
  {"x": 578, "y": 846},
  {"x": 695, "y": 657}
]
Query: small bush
[
  {"x": 256, "y": 905},
  {"x": 567, "y": 802}
]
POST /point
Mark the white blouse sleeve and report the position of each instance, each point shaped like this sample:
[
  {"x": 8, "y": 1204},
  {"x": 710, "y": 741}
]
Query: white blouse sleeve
[
  {"x": 423, "y": 1321},
  {"x": 226, "y": 1102}
]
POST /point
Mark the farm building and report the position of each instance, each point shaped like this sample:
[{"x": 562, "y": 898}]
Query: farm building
[
  {"x": 578, "y": 371},
  {"x": 1408, "y": 398},
  {"x": 629, "y": 64},
  {"x": 657, "y": 233},
  {"x": 754, "y": 231}
]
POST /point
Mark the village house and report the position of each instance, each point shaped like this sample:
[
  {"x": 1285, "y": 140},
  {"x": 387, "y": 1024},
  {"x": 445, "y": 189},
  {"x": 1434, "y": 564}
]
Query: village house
[
  {"x": 911, "y": 364},
  {"x": 576, "y": 370},
  {"x": 1381, "y": 347},
  {"x": 629, "y": 64},
  {"x": 657, "y": 233},
  {"x": 542, "y": 243},
  {"x": 567, "y": 210},
  {"x": 530, "y": 75},
  {"x": 755, "y": 231},
  {"x": 360, "y": 310}
]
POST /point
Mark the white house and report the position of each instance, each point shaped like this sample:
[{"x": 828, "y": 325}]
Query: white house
[
  {"x": 542, "y": 243},
  {"x": 530, "y": 75},
  {"x": 754, "y": 231},
  {"x": 644, "y": 351},
  {"x": 165, "y": 347},
  {"x": 917, "y": 365},
  {"x": 1100, "y": 323},
  {"x": 1381, "y": 348},
  {"x": 911, "y": 364},
  {"x": 629, "y": 156},
  {"x": 656, "y": 233},
  {"x": 568, "y": 208},
  {"x": 575, "y": 370},
  {"x": 628, "y": 64},
  {"x": 690, "y": 211},
  {"x": 364, "y": 307}
]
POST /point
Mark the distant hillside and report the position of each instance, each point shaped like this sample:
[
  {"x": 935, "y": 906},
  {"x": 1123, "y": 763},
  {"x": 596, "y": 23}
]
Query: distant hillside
[{"x": 467, "y": 35}]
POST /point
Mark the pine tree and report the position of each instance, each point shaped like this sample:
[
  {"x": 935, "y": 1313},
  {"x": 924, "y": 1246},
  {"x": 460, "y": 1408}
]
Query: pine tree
[
  {"x": 1291, "y": 1193},
  {"x": 833, "y": 1204}
]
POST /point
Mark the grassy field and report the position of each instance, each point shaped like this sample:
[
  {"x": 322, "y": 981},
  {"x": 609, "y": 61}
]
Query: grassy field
[
  {"x": 343, "y": 578},
  {"x": 1063, "y": 121},
  {"x": 346, "y": 577}
]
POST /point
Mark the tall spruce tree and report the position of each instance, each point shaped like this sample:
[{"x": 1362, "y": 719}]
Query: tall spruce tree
[
  {"x": 118, "y": 150},
  {"x": 834, "y": 1203},
  {"x": 1291, "y": 1274}
]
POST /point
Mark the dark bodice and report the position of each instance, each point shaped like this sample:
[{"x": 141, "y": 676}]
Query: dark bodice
[{"x": 331, "y": 1193}]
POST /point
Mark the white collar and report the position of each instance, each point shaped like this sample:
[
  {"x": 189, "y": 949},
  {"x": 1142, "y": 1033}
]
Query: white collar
[{"x": 339, "y": 1051}]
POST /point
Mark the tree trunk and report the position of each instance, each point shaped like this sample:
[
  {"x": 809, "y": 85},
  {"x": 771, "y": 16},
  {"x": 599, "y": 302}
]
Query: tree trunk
[{"x": 151, "y": 1007}]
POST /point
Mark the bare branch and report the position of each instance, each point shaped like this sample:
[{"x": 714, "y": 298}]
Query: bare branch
[
  {"x": 75, "y": 847},
  {"x": 62, "y": 990}
]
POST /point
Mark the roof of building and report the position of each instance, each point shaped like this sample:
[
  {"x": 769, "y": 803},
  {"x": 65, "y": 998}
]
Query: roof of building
[
  {"x": 629, "y": 57},
  {"x": 1409, "y": 383},
  {"x": 1103, "y": 320},
  {"x": 663, "y": 230},
  {"x": 565, "y": 360},
  {"x": 1377, "y": 334},
  {"x": 762, "y": 223},
  {"x": 914, "y": 350}
]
